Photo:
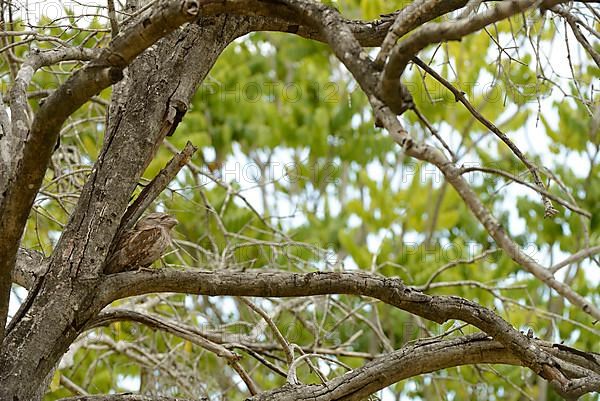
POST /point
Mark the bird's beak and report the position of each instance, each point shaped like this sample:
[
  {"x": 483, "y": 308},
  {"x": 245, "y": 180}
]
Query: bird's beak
[{"x": 171, "y": 222}]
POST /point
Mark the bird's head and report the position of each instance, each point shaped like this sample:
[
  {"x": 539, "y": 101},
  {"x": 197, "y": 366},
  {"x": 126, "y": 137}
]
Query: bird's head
[{"x": 157, "y": 219}]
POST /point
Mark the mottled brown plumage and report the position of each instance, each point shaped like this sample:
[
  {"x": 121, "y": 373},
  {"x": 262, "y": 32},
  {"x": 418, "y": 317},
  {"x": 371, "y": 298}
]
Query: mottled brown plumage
[{"x": 142, "y": 245}]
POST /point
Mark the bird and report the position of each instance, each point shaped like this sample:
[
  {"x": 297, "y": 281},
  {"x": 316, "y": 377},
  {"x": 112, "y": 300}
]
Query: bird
[{"x": 139, "y": 247}]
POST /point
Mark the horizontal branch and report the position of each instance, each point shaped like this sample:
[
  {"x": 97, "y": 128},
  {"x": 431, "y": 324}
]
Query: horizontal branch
[
  {"x": 282, "y": 18},
  {"x": 423, "y": 357},
  {"x": 392, "y": 291}
]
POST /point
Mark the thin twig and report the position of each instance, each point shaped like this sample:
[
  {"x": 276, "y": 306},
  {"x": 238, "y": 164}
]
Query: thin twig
[
  {"x": 460, "y": 96},
  {"x": 114, "y": 25},
  {"x": 543, "y": 192},
  {"x": 574, "y": 258},
  {"x": 287, "y": 348},
  {"x": 156, "y": 186}
]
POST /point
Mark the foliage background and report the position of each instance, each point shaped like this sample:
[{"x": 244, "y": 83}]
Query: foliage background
[{"x": 292, "y": 174}]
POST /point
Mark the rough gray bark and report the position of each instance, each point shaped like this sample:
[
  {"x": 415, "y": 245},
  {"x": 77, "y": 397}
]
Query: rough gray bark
[
  {"x": 66, "y": 298},
  {"x": 30, "y": 145}
]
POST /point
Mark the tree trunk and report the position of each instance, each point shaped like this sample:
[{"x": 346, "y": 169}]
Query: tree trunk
[{"x": 60, "y": 304}]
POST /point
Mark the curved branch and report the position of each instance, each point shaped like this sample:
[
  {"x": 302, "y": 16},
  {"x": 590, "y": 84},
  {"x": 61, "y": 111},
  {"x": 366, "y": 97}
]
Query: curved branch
[
  {"x": 282, "y": 284},
  {"x": 422, "y": 357},
  {"x": 435, "y": 33},
  {"x": 416, "y": 13}
]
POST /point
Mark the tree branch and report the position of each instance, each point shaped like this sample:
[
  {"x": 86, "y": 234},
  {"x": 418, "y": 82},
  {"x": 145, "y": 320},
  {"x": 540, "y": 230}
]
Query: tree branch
[
  {"x": 157, "y": 186},
  {"x": 493, "y": 227},
  {"x": 574, "y": 258},
  {"x": 573, "y": 22},
  {"x": 389, "y": 84},
  {"x": 542, "y": 191},
  {"x": 422, "y": 357},
  {"x": 460, "y": 96},
  {"x": 180, "y": 330},
  {"x": 283, "y": 284},
  {"x": 411, "y": 16}
]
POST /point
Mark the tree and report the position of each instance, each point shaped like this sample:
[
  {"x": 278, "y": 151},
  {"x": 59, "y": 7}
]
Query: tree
[{"x": 375, "y": 234}]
